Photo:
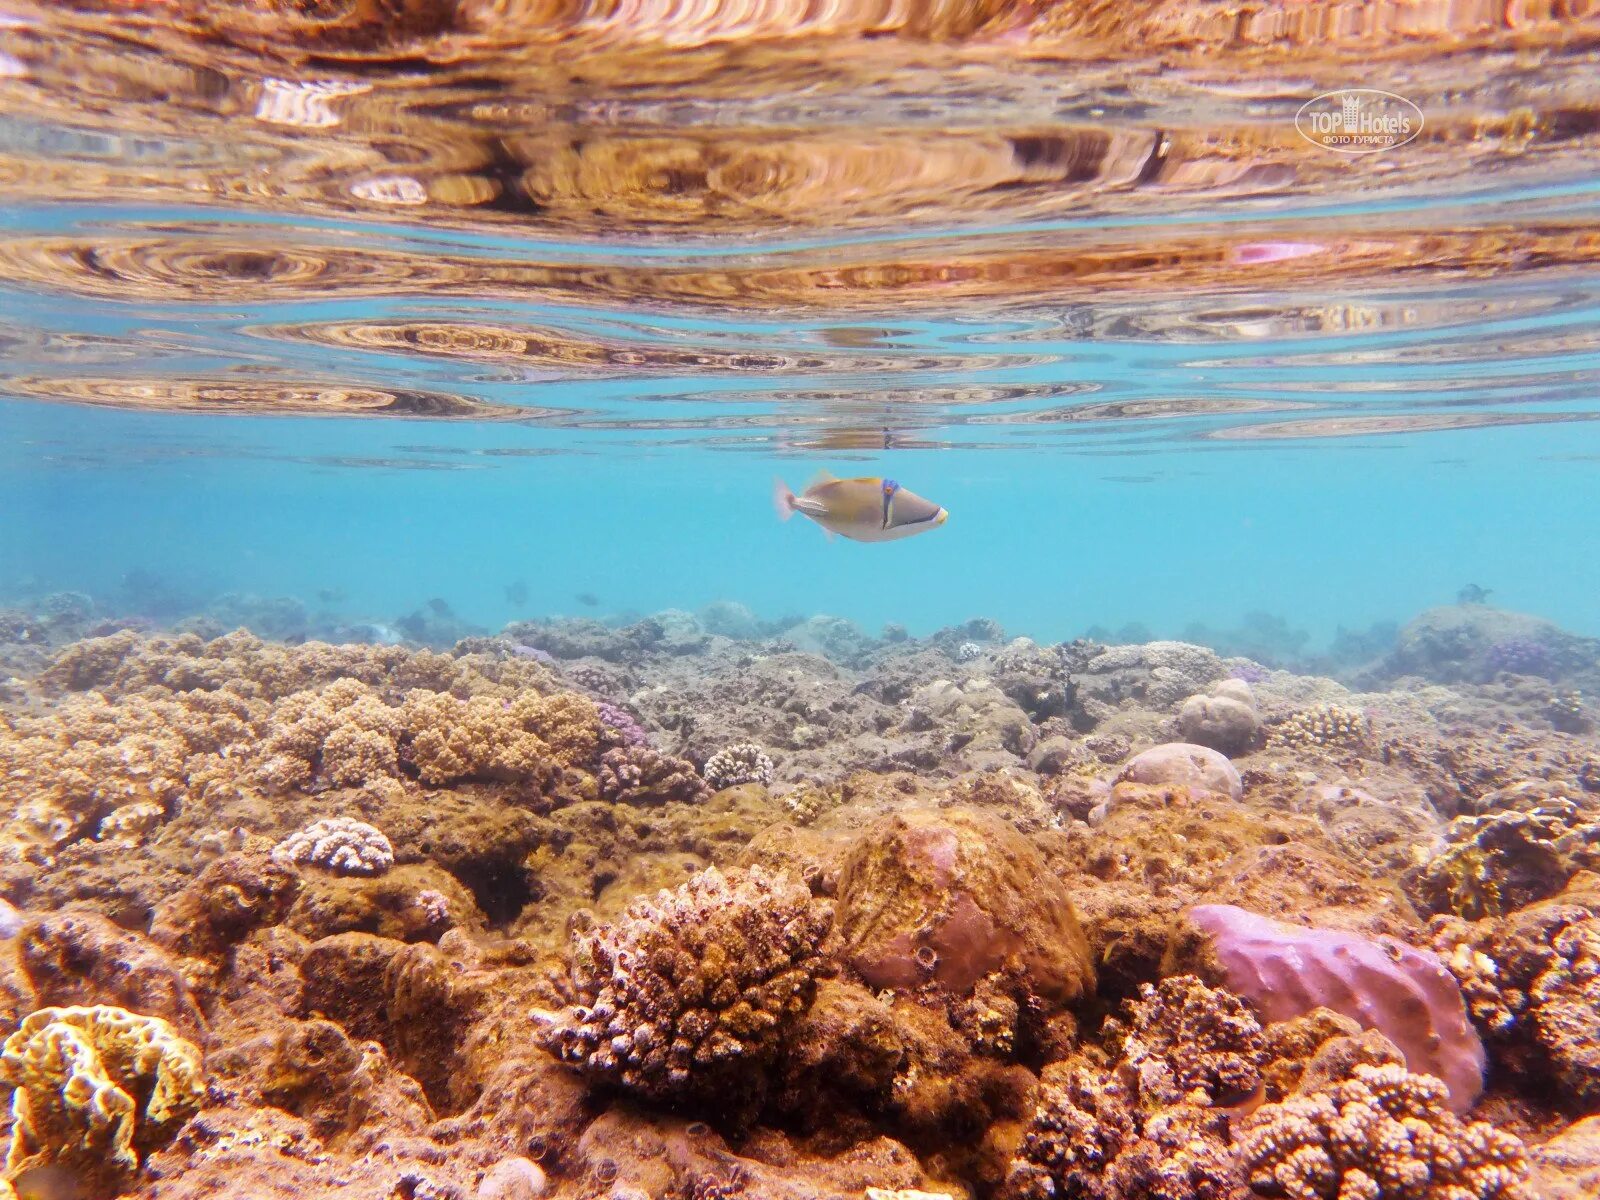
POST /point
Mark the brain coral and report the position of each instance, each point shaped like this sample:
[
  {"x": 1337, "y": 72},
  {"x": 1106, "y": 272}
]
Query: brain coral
[
  {"x": 1382, "y": 1132},
  {"x": 342, "y": 845},
  {"x": 1405, "y": 993},
  {"x": 688, "y": 997},
  {"x": 96, "y": 1088}
]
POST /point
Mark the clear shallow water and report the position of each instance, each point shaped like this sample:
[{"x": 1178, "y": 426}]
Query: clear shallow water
[{"x": 309, "y": 316}]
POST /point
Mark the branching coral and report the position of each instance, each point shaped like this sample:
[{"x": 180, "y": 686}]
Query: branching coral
[
  {"x": 640, "y": 775},
  {"x": 342, "y": 845},
  {"x": 691, "y": 994},
  {"x": 743, "y": 762},
  {"x": 1323, "y": 727},
  {"x": 97, "y": 1088},
  {"x": 1382, "y": 1132},
  {"x": 343, "y": 734},
  {"x": 526, "y": 739}
]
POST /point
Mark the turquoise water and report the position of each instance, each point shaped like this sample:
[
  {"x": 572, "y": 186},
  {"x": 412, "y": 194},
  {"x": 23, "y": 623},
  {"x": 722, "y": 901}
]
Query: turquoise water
[{"x": 1150, "y": 389}]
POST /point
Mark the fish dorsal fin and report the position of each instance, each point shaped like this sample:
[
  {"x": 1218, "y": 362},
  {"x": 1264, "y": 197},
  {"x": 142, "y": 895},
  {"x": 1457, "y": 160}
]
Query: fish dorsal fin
[{"x": 820, "y": 478}]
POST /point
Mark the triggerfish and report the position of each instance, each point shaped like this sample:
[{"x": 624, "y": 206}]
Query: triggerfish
[{"x": 865, "y": 510}]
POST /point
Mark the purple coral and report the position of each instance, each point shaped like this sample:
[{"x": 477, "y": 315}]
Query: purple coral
[
  {"x": 1403, "y": 992},
  {"x": 1520, "y": 656},
  {"x": 622, "y": 728},
  {"x": 1250, "y": 672}
]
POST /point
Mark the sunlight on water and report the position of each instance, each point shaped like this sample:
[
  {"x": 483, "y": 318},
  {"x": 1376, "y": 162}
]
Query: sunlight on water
[{"x": 431, "y": 769}]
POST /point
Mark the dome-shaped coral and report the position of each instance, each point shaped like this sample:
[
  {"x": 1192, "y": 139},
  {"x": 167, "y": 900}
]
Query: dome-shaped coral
[{"x": 342, "y": 845}]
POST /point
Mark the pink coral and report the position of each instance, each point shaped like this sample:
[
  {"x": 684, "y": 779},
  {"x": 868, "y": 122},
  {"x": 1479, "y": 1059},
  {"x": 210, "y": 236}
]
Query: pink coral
[{"x": 1401, "y": 991}]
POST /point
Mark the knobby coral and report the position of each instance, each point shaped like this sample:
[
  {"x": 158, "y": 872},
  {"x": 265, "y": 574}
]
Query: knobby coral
[
  {"x": 1184, "y": 1040},
  {"x": 690, "y": 995},
  {"x": 743, "y": 762},
  {"x": 1405, "y": 993},
  {"x": 96, "y": 1088},
  {"x": 342, "y": 845},
  {"x": 1381, "y": 1132},
  {"x": 640, "y": 775},
  {"x": 1500, "y": 861},
  {"x": 1532, "y": 982}
]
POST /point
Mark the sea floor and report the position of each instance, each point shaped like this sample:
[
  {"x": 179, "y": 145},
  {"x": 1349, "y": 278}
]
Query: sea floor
[{"x": 697, "y": 906}]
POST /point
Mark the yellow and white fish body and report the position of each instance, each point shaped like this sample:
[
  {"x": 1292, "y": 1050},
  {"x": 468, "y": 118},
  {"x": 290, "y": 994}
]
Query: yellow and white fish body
[{"x": 865, "y": 510}]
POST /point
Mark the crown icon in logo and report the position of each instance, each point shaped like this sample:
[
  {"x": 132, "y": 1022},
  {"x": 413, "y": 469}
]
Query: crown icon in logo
[{"x": 1352, "y": 108}]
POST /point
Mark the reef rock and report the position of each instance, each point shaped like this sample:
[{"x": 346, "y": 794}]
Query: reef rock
[
  {"x": 1181, "y": 764},
  {"x": 952, "y": 897}
]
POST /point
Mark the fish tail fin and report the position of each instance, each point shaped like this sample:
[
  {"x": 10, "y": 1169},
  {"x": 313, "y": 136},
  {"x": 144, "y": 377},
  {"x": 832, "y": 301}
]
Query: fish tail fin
[{"x": 782, "y": 499}]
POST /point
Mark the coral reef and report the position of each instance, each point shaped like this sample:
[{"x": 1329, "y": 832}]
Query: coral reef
[
  {"x": 97, "y": 1088},
  {"x": 1010, "y": 1001},
  {"x": 689, "y": 997},
  {"x": 1384, "y": 1131},
  {"x": 1403, "y": 992},
  {"x": 342, "y": 845}
]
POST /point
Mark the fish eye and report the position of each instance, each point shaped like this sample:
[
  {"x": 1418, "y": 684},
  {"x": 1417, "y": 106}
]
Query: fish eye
[{"x": 890, "y": 486}]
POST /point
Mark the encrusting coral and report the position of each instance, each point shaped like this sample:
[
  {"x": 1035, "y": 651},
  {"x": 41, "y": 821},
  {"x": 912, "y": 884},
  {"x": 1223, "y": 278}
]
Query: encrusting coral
[
  {"x": 97, "y": 1088},
  {"x": 1383, "y": 1132},
  {"x": 1404, "y": 992},
  {"x": 690, "y": 995}
]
